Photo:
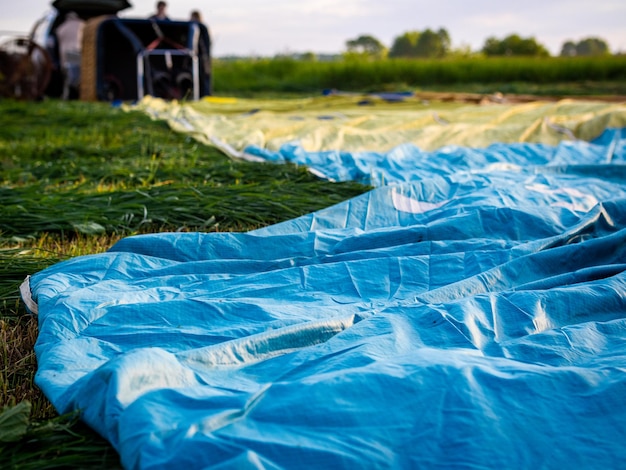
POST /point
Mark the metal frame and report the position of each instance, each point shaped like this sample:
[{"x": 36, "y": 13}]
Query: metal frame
[{"x": 144, "y": 55}]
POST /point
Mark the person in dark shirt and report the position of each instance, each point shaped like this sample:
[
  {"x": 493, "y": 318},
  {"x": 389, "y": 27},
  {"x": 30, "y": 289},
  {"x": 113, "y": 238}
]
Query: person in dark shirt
[
  {"x": 204, "y": 52},
  {"x": 161, "y": 12},
  {"x": 195, "y": 16}
]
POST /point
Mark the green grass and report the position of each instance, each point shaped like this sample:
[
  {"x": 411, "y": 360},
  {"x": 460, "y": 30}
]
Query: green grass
[
  {"x": 62, "y": 442},
  {"x": 568, "y": 76},
  {"x": 71, "y": 168},
  {"x": 76, "y": 177}
]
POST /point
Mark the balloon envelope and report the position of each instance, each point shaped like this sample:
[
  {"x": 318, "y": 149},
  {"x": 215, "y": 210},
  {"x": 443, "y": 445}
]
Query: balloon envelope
[{"x": 99, "y": 6}]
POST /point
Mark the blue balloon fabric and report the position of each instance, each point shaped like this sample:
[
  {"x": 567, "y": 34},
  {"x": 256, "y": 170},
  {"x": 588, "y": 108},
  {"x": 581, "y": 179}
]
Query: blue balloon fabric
[
  {"x": 468, "y": 312},
  {"x": 407, "y": 163}
]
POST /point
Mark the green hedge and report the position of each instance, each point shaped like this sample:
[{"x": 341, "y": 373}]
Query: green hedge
[{"x": 290, "y": 75}]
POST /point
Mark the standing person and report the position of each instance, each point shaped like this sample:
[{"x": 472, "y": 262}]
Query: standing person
[
  {"x": 196, "y": 16},
  {"x": 204, "y": 50},
  {"x": 70, "y": 40},
  {"x": 161, "y": 12}
]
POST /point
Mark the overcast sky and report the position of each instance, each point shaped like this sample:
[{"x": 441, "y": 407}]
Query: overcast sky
[{"x": 266, "y": 28}]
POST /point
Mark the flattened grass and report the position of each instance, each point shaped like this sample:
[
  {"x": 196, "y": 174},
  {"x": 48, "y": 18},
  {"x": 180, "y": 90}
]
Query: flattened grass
[{"x": 74, "y": 178}]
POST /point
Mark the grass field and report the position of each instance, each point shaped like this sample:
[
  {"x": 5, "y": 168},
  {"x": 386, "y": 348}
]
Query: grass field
[
  {"x": 76, "y": 177},
  {"x": 542, "y": 76}
]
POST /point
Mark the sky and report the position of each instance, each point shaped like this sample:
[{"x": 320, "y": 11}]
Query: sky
[{"x": 270, "y": 27}]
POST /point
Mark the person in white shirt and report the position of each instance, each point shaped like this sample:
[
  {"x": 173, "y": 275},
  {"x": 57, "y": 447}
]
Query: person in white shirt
[{"x": 70, "y": 38}]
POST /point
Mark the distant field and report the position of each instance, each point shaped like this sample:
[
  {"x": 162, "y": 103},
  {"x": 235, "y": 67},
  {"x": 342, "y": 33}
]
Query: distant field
[{"x": 544, "y": 76}]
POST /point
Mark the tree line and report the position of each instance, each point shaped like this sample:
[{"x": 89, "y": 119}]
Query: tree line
[{"x": 431, "y": 44}]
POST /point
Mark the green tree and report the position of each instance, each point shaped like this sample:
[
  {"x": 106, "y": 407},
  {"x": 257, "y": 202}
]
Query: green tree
[
  {"x": 586, "y": 47},
  {"x": 404, "y": 45},
  {"x": 592, "y": 46},
  {"x": 433, "y": 44},
  {"x": 366, "y": 45},
  {"x": 568, "y": 49},
  {"x": 427, "y": 44},
  {"x": 514, "y": 45},
  {"x": 308, "y": 57}
]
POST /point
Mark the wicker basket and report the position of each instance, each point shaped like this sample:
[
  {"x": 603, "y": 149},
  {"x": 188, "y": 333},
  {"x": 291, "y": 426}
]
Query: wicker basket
[{"x": 89, "y": 61}]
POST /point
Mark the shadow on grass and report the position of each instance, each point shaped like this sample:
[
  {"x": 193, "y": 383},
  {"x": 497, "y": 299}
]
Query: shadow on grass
[{"x": 61, "y": 442}]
